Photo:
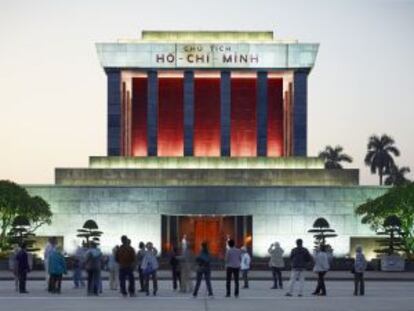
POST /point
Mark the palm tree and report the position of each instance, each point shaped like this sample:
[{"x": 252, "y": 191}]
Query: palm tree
[
  {"x": 380, "y": 155},
  {"x": 333, "y": 157},
  {"x": 396, "y": 177}
]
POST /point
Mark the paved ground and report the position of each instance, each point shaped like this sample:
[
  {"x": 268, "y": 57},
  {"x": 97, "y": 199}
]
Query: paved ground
[
  {"x": 380, "y": 296},
  {"x": 257, "y": 275}
]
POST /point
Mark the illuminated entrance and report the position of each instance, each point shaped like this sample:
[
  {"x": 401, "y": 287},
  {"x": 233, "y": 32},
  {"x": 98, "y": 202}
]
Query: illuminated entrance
[{"x": 212, "y": 229}]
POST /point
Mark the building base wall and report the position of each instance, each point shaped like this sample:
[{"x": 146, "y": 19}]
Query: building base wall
[{"x": 278, "y": 213}]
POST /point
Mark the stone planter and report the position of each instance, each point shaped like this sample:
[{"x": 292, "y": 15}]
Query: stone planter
[{"x": 392, "y": 263}]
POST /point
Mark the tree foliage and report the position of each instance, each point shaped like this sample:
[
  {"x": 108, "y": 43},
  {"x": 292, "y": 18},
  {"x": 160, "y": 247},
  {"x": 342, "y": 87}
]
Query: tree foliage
[
  {"x": 333, "y": 156},
  {"x": 398, "y": 201},
  {"x": 393, "y": 243},
  {"x": 396, "y": 176},
  {"x": 15, "y": 201},
  {"x": 89, "y": 232},
  {"x": 20, "y": 232},
  {"x": 380, "y": 154},
  {"x": 322, "y": 231}
]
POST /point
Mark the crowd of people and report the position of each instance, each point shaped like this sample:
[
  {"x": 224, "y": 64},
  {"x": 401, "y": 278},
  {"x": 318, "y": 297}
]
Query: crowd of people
[{"x": 124, "y": 261}]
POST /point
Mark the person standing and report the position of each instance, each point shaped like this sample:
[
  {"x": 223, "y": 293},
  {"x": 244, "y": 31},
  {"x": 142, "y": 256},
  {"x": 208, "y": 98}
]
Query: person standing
[
  {"x": 232, "y": 261},
  {"x": 57, "y": 267},
  {"x": 300, "y": 258},
  {"x": 186, "y": 262},
  {"x": 149, "y": 266},
  {"x": 126, "y": 258},
  {"x": 22, "y": 268},
  {"x": 276, "y": 263},
  {"x": 93, "y": 258},
  {"x": 50, "y": 246},
  {"x": 360, "y": 265},
  {"x": 245, "y": 266},
  {"x": 113, "y": 268},
  {"x": 78, "y": 265},
  {"x": 140, "y": 256},
  {"x": 203, "y": 261},
  {"x": 13, "y": 266},
  {"x": 184, "y": 243},
  {"x": 321, "y": 267},
  {"x": 175, "y": 268}
]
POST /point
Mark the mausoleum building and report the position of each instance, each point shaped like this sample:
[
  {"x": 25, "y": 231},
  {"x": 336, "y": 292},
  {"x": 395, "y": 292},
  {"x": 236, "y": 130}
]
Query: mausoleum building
[{"x": 207, "y": 136}]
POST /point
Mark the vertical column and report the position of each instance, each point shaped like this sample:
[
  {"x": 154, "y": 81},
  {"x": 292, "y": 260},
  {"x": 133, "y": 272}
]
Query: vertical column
[
  {"x": 114, "y": 111},
  {"x": 188, "y": 113},
  {"x": 261, "y": 111},
  {"x": 300, "y": 113},
  {"x": 225, "y": 109},
  {"x": 152, "y": 117}
]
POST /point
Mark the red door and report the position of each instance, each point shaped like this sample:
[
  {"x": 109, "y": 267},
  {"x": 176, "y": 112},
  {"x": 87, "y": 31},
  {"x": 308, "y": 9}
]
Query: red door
[{"x": 208, "y": 229}]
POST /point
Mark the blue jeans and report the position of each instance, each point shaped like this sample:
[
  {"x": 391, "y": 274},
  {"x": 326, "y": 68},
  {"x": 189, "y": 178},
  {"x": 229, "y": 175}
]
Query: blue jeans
[
  {"x": 206, "y": 272},
  {"x": 77, "y": 277},
  {"x": 125, "y": 273},
  {"x": 94, "y": 277}
]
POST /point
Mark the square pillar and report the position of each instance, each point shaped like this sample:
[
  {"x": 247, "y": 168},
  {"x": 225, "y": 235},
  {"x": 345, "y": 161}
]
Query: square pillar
[
  {"x": 114, "y": 111},
  {"x": 188, "y": 113},
  {"x": 225, "y": 110},
  {"x": 152, "y": 113},
  {"x": 261, "y": 111},
  {"x": 300, "y": 112}
]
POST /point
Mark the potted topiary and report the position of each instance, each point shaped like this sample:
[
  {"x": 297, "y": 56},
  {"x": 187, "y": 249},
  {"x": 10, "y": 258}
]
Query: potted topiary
[
  {"x": 89, "y": 232},
  {"x": 391, "y": 246},
  {"x": 322, "y": 231}
]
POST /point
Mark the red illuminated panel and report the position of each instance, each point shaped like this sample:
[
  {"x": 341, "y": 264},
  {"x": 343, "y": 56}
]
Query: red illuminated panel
[
  {"x": 206, "y": 117},
  {"x": 139, "y": 116},
  {"x": 274, "y": 117},
  {"x": 170, "y": 116},
  {"x": 243, "y": 117}
]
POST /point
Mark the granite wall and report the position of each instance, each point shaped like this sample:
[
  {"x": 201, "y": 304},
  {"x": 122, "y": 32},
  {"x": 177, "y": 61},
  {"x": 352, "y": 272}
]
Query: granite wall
[{"x": 279, "y": 213}]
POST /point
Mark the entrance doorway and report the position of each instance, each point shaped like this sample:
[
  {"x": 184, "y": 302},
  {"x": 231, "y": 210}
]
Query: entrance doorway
[{"x": 215, "y": 230}]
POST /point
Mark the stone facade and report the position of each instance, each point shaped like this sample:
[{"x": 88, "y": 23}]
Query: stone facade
[{"x": 279, "y": 213}]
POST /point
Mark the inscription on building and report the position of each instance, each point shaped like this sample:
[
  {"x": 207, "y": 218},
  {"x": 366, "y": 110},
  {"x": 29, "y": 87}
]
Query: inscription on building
[{"x": 207, "y": 55}]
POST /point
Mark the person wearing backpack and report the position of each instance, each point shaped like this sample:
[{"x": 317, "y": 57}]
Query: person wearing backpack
[
  {"x": 93, "y": 258},
  {"x": 126, "y": 258},
  {"x": 300, "y": 258},
  {"x": 203, "y": 262},
  {"x": 149, "y": 267}
]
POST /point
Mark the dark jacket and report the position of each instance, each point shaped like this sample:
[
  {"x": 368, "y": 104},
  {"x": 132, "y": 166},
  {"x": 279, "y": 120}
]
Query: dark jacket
[
  {"x": 300, "y": 257},
  {"x": 22, "y": 261},
  {"x": 203, "y": 260},
  {"x": 126, "y": 257}
]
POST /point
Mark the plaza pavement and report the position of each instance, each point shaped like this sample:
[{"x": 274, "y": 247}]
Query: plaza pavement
[
  {"x": 258, "y": 275},
  {"x": 380, "y": 295}
]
